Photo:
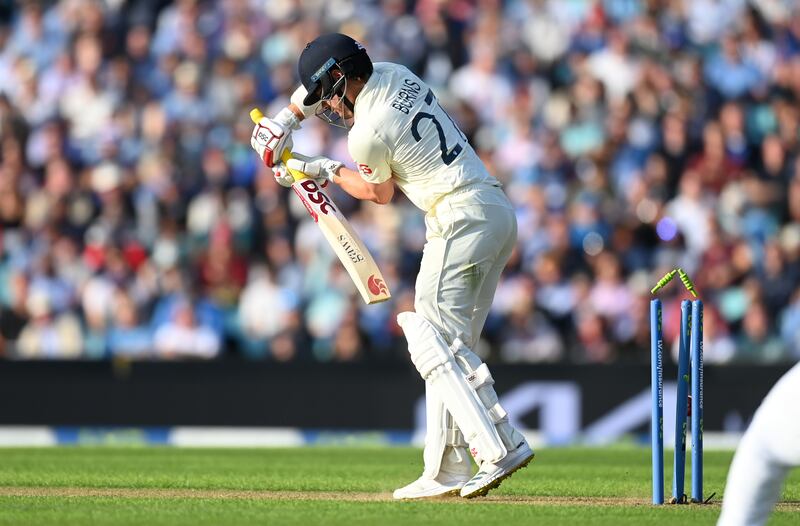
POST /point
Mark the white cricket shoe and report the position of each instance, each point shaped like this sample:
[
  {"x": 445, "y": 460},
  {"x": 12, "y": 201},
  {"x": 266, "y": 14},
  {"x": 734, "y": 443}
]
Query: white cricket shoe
[
  {"x": 489, "y": 476},
  {"x": 445, "y": 484}
]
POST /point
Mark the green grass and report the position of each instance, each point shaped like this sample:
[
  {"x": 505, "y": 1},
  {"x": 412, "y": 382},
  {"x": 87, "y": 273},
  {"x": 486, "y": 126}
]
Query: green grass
[{"x": 150, "y": 487}]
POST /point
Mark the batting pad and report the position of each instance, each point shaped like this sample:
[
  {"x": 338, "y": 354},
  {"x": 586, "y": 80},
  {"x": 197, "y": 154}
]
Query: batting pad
[
  {"x": 442, "y": 432},
  {"x": 480, "y": 379},
  {"x": 436, "y": 364}
]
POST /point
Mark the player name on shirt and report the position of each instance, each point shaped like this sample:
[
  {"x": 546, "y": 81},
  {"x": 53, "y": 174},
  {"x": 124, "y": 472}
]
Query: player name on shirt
[
  {"x": 407, "y": 96},
  {"x": 402, "y": 133}
]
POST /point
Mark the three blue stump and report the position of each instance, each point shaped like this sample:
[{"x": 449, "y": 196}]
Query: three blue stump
[{"x": 690, "y": 351}]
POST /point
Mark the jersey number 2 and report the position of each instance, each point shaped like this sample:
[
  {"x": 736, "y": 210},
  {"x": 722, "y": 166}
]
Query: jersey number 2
[{"x": 448, "y": 156}]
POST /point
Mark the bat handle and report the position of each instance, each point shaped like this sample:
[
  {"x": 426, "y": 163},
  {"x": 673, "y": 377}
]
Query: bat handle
[{"x": 255, "y": 116}]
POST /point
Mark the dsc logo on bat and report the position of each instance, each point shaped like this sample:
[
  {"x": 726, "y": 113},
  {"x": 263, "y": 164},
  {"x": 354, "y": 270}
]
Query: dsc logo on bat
[{"x": 312, "y": 193}]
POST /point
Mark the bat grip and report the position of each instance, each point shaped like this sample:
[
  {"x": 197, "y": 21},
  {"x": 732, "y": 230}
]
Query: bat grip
[{"x": 255, "y": 116}]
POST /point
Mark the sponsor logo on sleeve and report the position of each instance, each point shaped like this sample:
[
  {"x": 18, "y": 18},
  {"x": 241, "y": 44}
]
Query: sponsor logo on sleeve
[{"x": 365, "y": 170}]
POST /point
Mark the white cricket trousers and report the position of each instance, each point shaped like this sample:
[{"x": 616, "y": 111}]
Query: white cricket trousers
[
  {"x": 470, "y": 235},
  {"x": 769, "y": 449}
]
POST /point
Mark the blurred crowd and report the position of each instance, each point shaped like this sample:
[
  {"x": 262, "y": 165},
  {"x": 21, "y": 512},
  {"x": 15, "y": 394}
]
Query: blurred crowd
[{"x": 633, "y": 136}]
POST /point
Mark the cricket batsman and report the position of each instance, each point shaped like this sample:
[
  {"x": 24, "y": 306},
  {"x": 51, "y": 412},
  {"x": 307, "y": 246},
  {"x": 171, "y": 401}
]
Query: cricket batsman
[{"x": 400, "y": 136}]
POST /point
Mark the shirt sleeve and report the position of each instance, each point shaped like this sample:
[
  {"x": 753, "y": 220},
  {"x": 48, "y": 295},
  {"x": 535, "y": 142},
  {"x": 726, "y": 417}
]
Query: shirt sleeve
[{"x": 371, "y": 155}]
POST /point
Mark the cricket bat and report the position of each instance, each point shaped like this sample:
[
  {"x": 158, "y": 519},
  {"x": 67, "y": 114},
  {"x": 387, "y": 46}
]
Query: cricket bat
[{"x": 346, "y": 244}]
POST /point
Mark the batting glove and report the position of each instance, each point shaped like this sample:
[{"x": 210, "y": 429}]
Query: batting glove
[
  {"x": 272, "y": 136},
  {"x": 282, "y": 175},
  {"x": 319, "y": 168},
  {"x": 297, "y": 99}
]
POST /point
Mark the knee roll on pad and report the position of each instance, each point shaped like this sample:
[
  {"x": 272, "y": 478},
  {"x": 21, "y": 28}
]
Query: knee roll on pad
[{"x": 428, "y": 350}]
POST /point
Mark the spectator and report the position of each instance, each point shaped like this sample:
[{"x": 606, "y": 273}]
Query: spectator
[
  {"x": 48, "y": 335},
  {"x": 594, "y": 345},
  {"x": 526, "y": 338},
  {"x": 615, "y": 67},
  {"x": 183, "y": 337},
  {"x": 758, "y": 343},
  {"x": 731, "y": 74},
  {"x": 629, "y": 138},
  {"x": 14, "y": 314},
  {"x": 127, "y": 338},
  {"x": 262, "y": 295},
  {"x": 691, "y": 213}
]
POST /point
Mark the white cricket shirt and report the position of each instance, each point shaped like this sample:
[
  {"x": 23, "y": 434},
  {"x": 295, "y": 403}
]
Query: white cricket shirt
[{"x": 401, "y": 130}]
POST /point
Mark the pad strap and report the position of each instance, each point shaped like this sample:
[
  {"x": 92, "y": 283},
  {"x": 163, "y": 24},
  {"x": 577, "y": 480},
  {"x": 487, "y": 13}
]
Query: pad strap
[
  {"x": 480, "y": 380},
  {"x": 455, "y": 438}
]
